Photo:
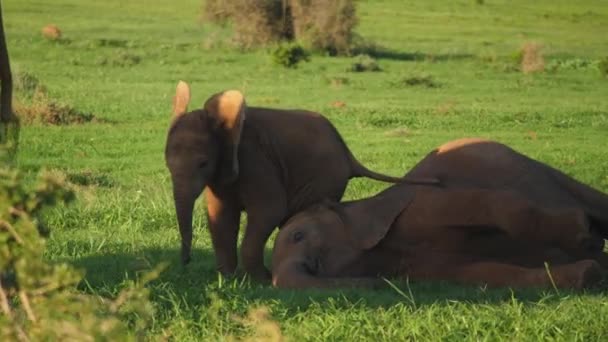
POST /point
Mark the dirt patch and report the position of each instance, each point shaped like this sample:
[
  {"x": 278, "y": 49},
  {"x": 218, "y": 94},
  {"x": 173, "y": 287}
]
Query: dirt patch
[{"x": 51, "y": 32}]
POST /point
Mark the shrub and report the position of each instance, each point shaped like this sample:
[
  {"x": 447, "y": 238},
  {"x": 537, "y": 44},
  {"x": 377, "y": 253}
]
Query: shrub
[
  {"x": 255, "y": 22},
  {"x": 325, "y": 24},
  {"x": 321, "y": 24},
  {"x": 39, "y": 300},
  {"x": 365, "y": 63},
  {"x": 289, "y": 55}
]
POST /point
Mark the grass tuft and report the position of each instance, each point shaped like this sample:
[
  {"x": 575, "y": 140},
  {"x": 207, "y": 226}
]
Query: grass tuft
[
  {"x": 532, "y": 59},
  {"x": 365, "y": 63},
  {"x": 46, "y": 111}
]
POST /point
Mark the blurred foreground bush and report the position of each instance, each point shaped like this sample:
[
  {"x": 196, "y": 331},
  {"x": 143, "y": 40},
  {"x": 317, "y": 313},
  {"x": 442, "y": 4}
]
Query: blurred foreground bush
[
  {"x": 38, "y": 299},
  {"x": 319, "y": 24}
]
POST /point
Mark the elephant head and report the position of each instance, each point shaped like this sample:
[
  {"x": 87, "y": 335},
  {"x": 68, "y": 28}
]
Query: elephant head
[
  {"x": 315, "y": 246},
  {"x": 201, "y": 148}
]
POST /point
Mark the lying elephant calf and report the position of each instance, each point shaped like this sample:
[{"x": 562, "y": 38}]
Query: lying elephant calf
[
  {"x": 468, "y": 235},
  {"x": 528, "y": 213}
]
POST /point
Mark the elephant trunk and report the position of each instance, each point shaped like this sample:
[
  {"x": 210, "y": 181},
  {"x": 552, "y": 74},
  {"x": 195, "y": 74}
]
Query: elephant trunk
[{"x": 183, "y": 207}]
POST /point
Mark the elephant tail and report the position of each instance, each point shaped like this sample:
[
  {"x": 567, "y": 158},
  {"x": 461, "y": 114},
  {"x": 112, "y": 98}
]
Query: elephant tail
[
  {"x": 594, "y": 201},
  {"x": 359, "y": 170}
]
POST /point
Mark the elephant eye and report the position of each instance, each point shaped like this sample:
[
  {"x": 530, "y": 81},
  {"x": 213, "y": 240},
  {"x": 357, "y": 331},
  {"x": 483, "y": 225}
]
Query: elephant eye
[
  {"x": 298, "y": 236},
  {"x": 202, "y": 164}
]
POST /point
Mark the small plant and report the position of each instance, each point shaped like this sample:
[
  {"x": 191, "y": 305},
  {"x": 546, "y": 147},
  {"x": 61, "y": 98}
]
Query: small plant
[
  {"x": 602, "y": 65},
  {"x": 338, "y": 82},
  {"x": 418, "y": 81},
  {"x": 569, "y": 64},
  {"x": 365, "y": 63},
  {"x": 28, "y": 84},
  {"x": 290, "y": 55}
]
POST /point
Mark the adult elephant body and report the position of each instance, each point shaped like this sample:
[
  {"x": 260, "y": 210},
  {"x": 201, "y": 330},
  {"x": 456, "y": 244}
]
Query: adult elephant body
[
  {"x": 270, "y": 163},
  {"x": 498, "y": 217}
]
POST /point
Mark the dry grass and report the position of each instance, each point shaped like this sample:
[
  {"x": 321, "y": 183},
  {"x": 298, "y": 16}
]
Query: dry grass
[
  {"x": 445, "y": 108},
  {"x": 34, "y": 106},
  {"x": 399, "y": 132},
  {"x": 43, "y": 110},
  {"x": 261, "y": 326},
  {"x": 532, "y": 59}
]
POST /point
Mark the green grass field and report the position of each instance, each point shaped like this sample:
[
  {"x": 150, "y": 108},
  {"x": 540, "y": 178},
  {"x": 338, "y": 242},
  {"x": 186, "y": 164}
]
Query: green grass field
[{"x": 121, "y": 60}]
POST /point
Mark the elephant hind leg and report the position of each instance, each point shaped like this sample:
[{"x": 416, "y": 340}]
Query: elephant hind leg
[{"x": 577, "y": 275}]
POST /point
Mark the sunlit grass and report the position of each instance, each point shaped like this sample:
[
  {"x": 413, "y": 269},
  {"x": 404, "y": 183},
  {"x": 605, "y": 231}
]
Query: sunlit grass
[{"x": 121, "y": 60}]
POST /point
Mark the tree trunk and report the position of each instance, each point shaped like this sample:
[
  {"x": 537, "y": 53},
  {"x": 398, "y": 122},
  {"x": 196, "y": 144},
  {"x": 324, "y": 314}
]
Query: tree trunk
[{"x": 9, "y": 123}]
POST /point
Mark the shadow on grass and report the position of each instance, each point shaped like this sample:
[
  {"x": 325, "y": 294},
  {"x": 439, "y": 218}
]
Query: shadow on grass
[
  {"x": 197, "y": 282},
  {"x": 386, "y": 53}
]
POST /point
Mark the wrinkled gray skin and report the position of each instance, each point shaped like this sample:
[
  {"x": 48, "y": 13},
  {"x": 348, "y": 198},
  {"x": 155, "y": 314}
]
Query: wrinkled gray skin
[{"x": 270, "y": 163}]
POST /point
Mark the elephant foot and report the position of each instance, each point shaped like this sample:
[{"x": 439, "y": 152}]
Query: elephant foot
[
  {"x": 580, "y": 275},
  {"x": 261, "y": 275},
  {"x": 227, "y": 271},
  {"x": 581, "y": 240},
  {"x": 185, "y": 259}
]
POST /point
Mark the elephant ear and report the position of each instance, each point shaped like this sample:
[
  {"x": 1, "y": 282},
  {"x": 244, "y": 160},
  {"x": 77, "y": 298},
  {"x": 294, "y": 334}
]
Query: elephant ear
[
  {"x": 227, "y": 112},
  {"x": 181, "y": 99},
  {"x": 367, "y": 221}
]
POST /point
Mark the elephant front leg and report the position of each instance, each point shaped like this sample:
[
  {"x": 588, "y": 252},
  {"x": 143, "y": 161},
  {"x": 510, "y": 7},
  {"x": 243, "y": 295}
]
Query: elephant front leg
[
  {"x": 224, "y": 220},
  {"x": 260, "y": 226}
]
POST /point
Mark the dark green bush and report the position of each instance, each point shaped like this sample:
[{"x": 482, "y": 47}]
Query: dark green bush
[
  {"x": 365, "y": 63},
  {"x": 289, "y": 55}
]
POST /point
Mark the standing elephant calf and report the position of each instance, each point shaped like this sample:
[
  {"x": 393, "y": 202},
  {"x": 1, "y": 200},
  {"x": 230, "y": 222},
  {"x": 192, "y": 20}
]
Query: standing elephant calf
[
  {"x": 269, "y": 162},
  {"x": 499, "y": 217}
]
